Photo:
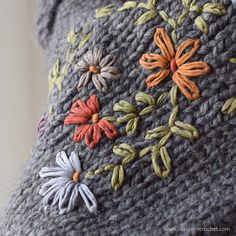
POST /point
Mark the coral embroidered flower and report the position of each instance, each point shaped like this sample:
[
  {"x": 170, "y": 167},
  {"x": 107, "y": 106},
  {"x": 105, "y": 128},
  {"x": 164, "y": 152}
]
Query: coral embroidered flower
[
  {"x": 97, "y": 68},
  {"x": 64, "y": 186},
  {"x": 87, "y": 115},
  {"x": 175, "y": 63}
]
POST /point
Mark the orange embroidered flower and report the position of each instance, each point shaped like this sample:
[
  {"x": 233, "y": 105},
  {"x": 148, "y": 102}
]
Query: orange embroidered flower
[
  {"x": 175, "y": 63},
  {"x": 87, "y": 115}
]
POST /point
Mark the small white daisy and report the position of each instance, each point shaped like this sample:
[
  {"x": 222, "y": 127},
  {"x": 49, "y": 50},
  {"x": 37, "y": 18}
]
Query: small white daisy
[
  {"x": 64, "y": 187},
  {"x": 97, "y": 68}
]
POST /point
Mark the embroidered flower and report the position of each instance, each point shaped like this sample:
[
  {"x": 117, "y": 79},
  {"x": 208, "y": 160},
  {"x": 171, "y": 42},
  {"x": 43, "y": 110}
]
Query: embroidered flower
[
  {"x": 64, "y": 187},
  {"x": 175, "y": 63},
  {"x": 87, "y": 115},
  {"x": 97, "y": 68}
]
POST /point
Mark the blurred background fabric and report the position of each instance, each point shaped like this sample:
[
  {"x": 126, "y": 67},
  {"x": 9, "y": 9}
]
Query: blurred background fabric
[{"x": 23, "y": 90}]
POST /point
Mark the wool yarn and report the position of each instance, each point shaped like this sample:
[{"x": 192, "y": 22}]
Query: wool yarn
[{"x": 200, "y": 188}]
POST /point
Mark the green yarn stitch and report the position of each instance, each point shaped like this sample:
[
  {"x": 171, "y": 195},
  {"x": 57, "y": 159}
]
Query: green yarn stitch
[
  {"x": 132, "y": 117},
  {"x": 105, "y": 11},
  {"x": 149, "y": 15},
  {"x": 128, "y": 6},
  {"x": 201, "y": 24},
  {"x": 229, "y": 106},
  {"x": 118, "y": 172},
  {"x": 84, "y": 40}
]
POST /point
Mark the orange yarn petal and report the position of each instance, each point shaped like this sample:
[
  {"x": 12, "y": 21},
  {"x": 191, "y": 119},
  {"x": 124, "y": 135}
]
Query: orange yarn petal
[
  {"x": 188, "y": 87},
  {"x": 152, "y": 61},
  {"x": 194, "y": 68},
  {"x": 163, "y": 41},
  {"x": 182, "y": 58},
  {"x": 93, "y": 104},
  {"x": 76, "y": 119},
  {"x": 109, "y": 129},
  {"x": 155, "y": 79},
  {"x": 93, "y": 136},
  {"x": 80, "y": 133}
]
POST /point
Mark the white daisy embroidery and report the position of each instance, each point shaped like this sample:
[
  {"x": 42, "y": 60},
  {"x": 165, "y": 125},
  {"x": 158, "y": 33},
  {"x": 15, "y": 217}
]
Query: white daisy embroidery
[
  {"x": 64, "y": 187},
  {"x": 97, "y": 68}
]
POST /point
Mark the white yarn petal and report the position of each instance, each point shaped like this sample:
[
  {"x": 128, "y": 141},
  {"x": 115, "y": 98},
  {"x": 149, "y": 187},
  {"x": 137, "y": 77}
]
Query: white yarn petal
[
  {"x": 97, "y": 56},
  {"x": 107, "y": 60},
  {"x": 64, "y": 198},
  {"x": 73, "y": 198},
  {"x": 75, "y": 161},
  {"x": 49, "y": 196},
  {"x": 51, "y": 172},
  {"x": 82, "y": 66},
  {"x": 88, "y": 198},
  {"x": 88, "y": 57},
  {"x": 54, "y": 181},
  {"x": 45, "y": 191},
  {"x": 63, "y": 162},
  {"x": 110, "y": 72},
  {"x": 83, "y": 81},
  {"x": 99, "y": 83}
]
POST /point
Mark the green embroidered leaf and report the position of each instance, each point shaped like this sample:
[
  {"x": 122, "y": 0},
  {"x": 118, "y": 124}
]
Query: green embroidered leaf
[
  {"x": 187, "y": 3},
  {"x": 109, "y": 167},
  {"x": 215, "y": 8},
  {"x": 196, "y": 8},
  {"x": 164, "y": 140},
  {"x": 183, "y": 16},
  {"x": 145, "y": 151},
  {"x": 145, "y": 98},
  {"x": 232, "y": 60},
  {"x": 158, "y": 132},
  {"x": 110, "y": 118},
  {"x": 55, "y": 78},
  {"x": 161, "y": 99},
  {"x": 147, "y": 16},
  {"x": 128, "y": 6},
  {"x": 152, "y": 2},
  {"x": 161, "y": 156},
  {"x": 173, "y": 95},
  {"x": 118, "y": 177},
  {"x": 132, "y": 125},
  {"x": 166, "y": 18},
  {"x": 201, "y": 24},
  {"x": 126, "y": 118},
  {"x": 230, "y": 106},
  {"x": 84, "y": 40},
  {"x": 125, "y": 150},
  {"x": 173, "y": 115},
  {"x": 185, "y": 130},
  {"x": 105, "y": 11},
  {"x": 145, "y": 6},
  {"x": 147, "y": 110},
  {"x": 72, "y": 37},
  {"x": 124, "y": 106},
  {"x": 89, "y": 175}
]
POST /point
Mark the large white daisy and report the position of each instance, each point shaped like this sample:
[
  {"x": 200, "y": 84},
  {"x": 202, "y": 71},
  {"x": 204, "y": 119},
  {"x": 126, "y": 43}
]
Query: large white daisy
[{"x": 64, "y": 186}]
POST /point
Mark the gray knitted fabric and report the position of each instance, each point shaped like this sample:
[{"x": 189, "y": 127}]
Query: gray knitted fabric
[{"x": 200, "y": 191}]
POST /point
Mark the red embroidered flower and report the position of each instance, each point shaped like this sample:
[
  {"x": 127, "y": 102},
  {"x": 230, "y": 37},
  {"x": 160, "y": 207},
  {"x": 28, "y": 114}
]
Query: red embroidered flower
[{"x": 86, "y": 114}]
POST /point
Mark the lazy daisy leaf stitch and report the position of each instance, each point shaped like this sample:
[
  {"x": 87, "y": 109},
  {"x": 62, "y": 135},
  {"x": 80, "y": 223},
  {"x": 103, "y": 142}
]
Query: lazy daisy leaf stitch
[
  {"x": 86, "y": 114},
  {"x": 97, "y": 68},
  {"x": 64, "y": 186},
  {"x": 175, "y": 64}
]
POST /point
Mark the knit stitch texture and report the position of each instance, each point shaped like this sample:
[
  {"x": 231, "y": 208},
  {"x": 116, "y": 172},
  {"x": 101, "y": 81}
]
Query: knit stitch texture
[{"x": 200, "y": 192}]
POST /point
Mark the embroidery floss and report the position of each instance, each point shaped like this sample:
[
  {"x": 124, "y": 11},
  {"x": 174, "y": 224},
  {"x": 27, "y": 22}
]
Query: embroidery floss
[
  {"x": 97, "y": 68},
  {"x": 175, "y": 63},
  {"x": 87, "y": 115},
  {"x": 64, "y": 186}
]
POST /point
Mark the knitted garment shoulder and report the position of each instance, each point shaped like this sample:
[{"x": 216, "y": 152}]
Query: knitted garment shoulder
[{"x": 141, "y": 110}]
